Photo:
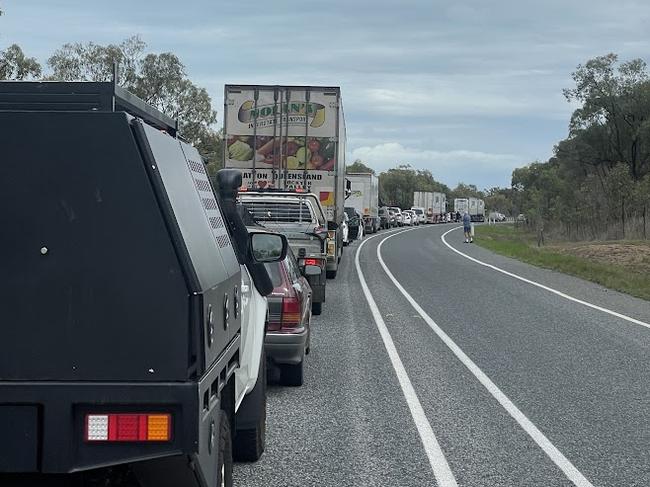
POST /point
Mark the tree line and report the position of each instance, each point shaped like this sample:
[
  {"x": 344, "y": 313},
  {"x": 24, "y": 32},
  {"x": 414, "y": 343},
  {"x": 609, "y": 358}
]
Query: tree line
[
  {"x": 597, "y": 183},
  {"x": 397, "y": 185}
]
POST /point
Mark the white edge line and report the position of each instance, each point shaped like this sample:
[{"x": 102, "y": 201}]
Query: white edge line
[
  {"x": 443, "y": 474},
  {"x": 572, "y": 473},
  {"x": 542, "y": 286}
]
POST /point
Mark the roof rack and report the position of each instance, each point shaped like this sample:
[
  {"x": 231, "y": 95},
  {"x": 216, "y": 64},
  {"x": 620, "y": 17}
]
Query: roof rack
[{"x": 80, "y": 96}]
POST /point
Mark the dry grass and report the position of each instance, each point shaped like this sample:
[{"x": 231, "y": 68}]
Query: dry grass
[
  {"x": 621, "y": 265},
  {"x": 633, "y": 255}
]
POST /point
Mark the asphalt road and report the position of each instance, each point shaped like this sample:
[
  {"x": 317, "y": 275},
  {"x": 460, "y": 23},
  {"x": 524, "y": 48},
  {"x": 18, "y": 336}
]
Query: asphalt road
[
  {"x": 575, "y": 379},
  {"x": 492, "y": 382}
]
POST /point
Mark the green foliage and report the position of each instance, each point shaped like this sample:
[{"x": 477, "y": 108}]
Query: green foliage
[
  {"x": 159, "y": 79},
  {"x": 397, "y": 185},
  {"x": 358, "y": 167},
  {"x": 501, "y": 200},
  {"x": 594, "y": 186},
  {"x": 14, "y": 65},
  {"x": 94, "y": 62}
]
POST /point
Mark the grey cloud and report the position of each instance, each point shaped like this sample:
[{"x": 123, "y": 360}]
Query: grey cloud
[{"x": 429, "y": 76}]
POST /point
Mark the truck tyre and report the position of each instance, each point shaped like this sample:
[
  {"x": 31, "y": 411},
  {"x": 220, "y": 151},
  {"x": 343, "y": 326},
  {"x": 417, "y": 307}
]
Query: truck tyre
[
  {"x": 292, "y": 374},
  {"x": 224, "y": 458},
  {"x": 249, "y": 443},
  {"x": 316, "y": 308},
  {"x": 331, "y": 274}
]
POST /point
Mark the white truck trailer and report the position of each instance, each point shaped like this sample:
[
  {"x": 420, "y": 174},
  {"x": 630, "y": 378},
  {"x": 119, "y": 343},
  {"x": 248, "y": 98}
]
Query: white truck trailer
[
  {"x": 474, "y": 206},
  {"x": 434, "y": 204},
  {"x": 477, "y": 209},
  {"x": 461, "y": 205},
  {"x": 364, "y": 197},
  {"x": 290, "y": 138}
]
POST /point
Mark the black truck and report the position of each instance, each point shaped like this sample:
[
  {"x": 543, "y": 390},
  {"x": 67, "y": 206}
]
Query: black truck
[{"x": 120, "y": 308}]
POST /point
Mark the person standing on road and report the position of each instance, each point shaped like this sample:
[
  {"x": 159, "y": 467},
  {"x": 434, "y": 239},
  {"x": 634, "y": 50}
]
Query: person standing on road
[{"x": 467, "y": 227}]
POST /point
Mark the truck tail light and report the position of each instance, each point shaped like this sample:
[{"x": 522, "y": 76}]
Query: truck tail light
[
  {"x": 128, "y": 427},
  {"x": 312, "y": 262},
  {"x": 290, "y": 312}
]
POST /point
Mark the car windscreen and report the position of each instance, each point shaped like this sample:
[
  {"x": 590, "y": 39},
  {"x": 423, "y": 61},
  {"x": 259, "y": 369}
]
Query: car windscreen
[{"x": 279, "y": 211}]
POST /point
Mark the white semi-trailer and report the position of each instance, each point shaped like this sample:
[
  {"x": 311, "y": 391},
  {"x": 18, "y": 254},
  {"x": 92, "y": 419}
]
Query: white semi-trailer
[
  {"x": 434, "y": 204},
  {"x": 474, "y": 206},
  {"x": 364, "y": 197},
  {"x": 477, "y": 209}
]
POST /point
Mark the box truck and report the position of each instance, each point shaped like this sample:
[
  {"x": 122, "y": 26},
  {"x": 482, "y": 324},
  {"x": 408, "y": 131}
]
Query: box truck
[
  {"x": 364, "y": 197},
  {"x": 474, "y": 206},
  {"x": 128, "y": 291},
  {"x": 476, "y": 209},
  {"x": 434, "y": 204},
  {"x": 461, "y": 205},
  {"x": 290, "y": 138}
]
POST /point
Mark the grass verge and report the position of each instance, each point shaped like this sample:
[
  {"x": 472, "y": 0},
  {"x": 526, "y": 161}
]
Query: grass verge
[{"x": 620, "y": 265}]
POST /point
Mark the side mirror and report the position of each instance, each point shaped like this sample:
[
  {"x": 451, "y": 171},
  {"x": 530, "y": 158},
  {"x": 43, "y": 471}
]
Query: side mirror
[
  {"x": 312, "y": 270},
  {"x": 348, "y": 188},
  {"x": 268, "y": 247},
  {"x": 332, "y": 225}
]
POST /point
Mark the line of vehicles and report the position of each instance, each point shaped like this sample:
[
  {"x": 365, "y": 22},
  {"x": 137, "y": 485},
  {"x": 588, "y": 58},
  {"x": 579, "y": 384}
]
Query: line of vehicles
[{"x": 143, "y": 307}]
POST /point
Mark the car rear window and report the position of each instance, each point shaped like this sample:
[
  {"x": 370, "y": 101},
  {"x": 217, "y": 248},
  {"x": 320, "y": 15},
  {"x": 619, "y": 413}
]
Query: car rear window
[{"x": 275, "y": 273}]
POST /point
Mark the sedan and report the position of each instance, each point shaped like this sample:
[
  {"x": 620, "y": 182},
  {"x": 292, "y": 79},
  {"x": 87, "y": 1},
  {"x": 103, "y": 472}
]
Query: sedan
[{"x": 288, "y": 327}]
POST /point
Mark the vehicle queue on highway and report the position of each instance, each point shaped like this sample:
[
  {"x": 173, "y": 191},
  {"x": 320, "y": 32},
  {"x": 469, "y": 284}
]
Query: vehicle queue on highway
[{"x": 138, "y": 239}]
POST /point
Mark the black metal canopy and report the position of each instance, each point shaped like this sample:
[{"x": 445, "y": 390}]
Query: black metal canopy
[{"x": 80, "y": 96}]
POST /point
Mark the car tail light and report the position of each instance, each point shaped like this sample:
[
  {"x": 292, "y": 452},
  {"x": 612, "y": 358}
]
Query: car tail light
[
  {"x": 290, "y": 312},
  {"x": 128, "y": 427}
]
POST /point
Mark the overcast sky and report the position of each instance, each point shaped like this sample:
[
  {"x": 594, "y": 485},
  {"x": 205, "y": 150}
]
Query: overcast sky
[{"x": 467, "y": 89}]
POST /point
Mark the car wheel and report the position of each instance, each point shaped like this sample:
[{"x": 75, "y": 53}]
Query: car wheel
[
  {"x": 248, "y": 445},
  {"x": 316, "y": 308},
  {"x": 224, "y": 457},
  {"x": 292, "y": 374}
]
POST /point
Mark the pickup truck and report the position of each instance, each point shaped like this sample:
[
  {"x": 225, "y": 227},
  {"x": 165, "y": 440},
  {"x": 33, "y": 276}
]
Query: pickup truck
[
  {"x": 299, "y": 217},
  {"x": 132, "y": 317}
]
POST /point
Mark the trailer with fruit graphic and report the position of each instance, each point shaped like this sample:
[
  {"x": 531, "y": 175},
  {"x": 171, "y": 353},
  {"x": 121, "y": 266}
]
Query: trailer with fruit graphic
[{"x": 290, "y": 138}]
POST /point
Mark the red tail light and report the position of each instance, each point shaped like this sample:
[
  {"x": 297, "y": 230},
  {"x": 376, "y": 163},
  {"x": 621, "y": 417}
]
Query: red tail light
[
  {"x": 312, "y": 262},
  {"x": 290, "y": 312}
]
